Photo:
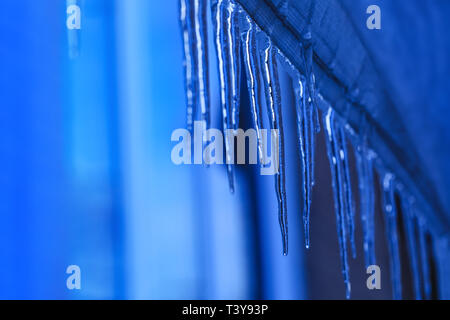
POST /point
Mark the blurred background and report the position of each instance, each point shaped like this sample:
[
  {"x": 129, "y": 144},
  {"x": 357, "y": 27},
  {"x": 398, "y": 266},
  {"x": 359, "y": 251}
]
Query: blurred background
[{"x": 87, "y": 177}]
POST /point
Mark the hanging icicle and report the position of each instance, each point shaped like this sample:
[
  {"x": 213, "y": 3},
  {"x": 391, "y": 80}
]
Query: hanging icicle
[
  {"x": 390, "y": 212},
  {"x": 413, "y": 248},
  {"x": 273, "y": 101},
  {"x": 310, "y": 91},
  {"x": 201, "y": 60},
  {"x": 227, "y": 40},
  {"x": 303, "y": 124},
  {"x": 186, "y": 21},
  {"x": 307, "y": 126},
  {"x": 333, "y": 149},
  {"x": 193, "y": 22},
  {"x": 346, "y": 186},
  {"x": 234, "y": 33},
  {"x": 364, "y": 165},
  {"x": 426, "y": 278},
  {"x": 251, "y": 62}
]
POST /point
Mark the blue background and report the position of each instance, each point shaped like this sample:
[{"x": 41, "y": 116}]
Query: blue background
[{"x": 87, "y": 177}]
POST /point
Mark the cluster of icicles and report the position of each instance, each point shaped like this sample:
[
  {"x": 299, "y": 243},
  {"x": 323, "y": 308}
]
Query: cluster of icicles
[{"x": 235, "y": 33}]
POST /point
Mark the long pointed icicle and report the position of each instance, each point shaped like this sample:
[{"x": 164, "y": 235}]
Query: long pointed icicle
[
  {"x": 226, "y": 39},
  {"x": 251, "y": 61},
  {"x": 308, "y": 126},
  {"x": 273, "y": 101},
  {"x": 336, "y": 175},
  {"x": 370, "y": 209},
  {"x": 347, "y": 187},
  {"x": 310, "y": 90},
  {"x": 410, "y": 224},
  {"x": 364, "y": 167},
  {"x": 390, "y": 212},
  {"x": 189, "y": 48},
  {"x": 201, "y": 59},
  {"x": 303, "y": 124},
  {"x": 424, "y": 260},
  {"x": 234, "y": 34}
]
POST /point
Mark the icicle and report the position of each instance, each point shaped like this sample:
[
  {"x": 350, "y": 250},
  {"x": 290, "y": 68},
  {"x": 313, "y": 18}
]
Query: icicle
[
  {"x": 316, "y": 111},
  {"x": 303, "y": 133},
  {"x": 193, "y": 19},
  {"x": 370, "y": 208},
  {"x": 251, "y": 61},
  {"x": 333, "y": 150},
  {"x": 410, "y": 224},
  {"x": 227, "y": 41},
  {"x": 364, "y": 165},
  {"x": 201, "y": 60},
  {"x": 310, "y": 91},
  {"x": 390, "y": 212},
  {"x": 308, "y": 126},
  {"x": 347, "y": 187},
  {"x": 426, "y": 278},
  {"x": 273, "y": 101},
  {"x": 234, "y": 34},
  {"x": 73, "y": 25},
  {"x": 186, "y": 14}
]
